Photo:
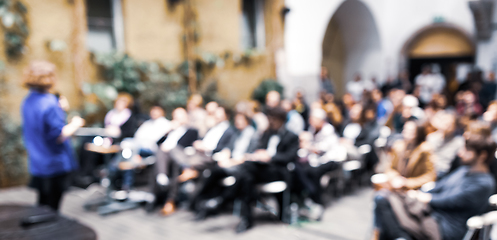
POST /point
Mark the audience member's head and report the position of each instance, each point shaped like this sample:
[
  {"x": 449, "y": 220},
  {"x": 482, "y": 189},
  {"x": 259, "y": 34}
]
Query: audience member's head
[
  {"x": 357, "y": 77},
  {"x": 180, "y": 116},
  {"x": 376, "y": 95},
  {"x": 156, "y": 112},
  {"x": 348, "y": 100},
  {"x": 324, "y": 73},
  {"x": 211, "y": 107},
  {"x": 317, "y": 118},
  {"x": 369, "y": 112},
  {"x": 426, "y": 69},
  {"x": 273, "y": 99},
  {"x": 478, "y": 151},
  {"x": 477, "y": 130},
  {"x": 287, "y": 105},
  {"x": 413, "y": 133},
  {"x": 241, "y": 121},
  {"x": 123, "y": 101},
  {"x": 194, "y": 102},
  {"x": 39, "y": 75},
  {"x": 276, "y": 117},
  {"x": 355, "y": 114},
  {"x": 222, "y": 114},
  {"x": 444, "y": 121}
]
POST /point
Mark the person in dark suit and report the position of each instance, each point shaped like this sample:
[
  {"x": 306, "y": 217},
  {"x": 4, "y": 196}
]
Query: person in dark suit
[
  {"x": 276, "y": 149},
  {"x": 191, "y": 160},
  {"x": 211, "y": 194}
]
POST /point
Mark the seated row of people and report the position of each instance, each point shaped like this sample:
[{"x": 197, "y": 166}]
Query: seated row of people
[{"x": 406, "y": 212}]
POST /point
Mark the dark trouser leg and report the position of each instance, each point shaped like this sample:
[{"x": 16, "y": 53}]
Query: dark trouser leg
[
  {"x": 210, "y": 186},
  {"x": 386, "y": 219},
  {"x": 315, "y": 174},
  {"x": 51, "y": 190},
  {"x": 252, "y": 173}
]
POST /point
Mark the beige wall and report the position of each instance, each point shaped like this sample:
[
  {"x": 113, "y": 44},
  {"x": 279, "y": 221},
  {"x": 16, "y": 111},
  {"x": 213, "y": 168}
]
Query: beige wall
[
  {"x": 153, "y": 32},
  {"x": 47, "y": 20}
]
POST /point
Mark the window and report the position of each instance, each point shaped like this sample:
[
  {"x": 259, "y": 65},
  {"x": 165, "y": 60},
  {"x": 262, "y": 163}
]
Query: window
[
  {"x": 253, "y": 31},
  {"x": 105, "y": 25}
]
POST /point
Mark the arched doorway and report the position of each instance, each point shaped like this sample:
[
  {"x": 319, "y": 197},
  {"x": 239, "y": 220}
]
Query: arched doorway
[
  {"x": 441, "y": 44},
  {"x": 351, "y": 44}
]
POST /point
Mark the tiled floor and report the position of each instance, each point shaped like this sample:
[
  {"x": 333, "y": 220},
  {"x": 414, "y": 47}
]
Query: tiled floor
[{"x": 349, "y": 217}]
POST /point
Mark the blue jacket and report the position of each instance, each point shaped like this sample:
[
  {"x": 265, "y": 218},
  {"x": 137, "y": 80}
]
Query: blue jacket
[
  {"x": 457, "y": 197},
  {"x": 43, "y": 120}
]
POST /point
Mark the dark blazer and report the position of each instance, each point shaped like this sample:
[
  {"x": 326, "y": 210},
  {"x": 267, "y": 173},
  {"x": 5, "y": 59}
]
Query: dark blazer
[
  {"x": 129, "y": 128},
  {"x": 459, "y": 196},
  {"x": 369, "y": 133},
  {"x": 190, "y": 136},
  {"x": 225, "y": 140},
  {"x": 237, "y": 133},
  {"x": 286, "y": 151}
]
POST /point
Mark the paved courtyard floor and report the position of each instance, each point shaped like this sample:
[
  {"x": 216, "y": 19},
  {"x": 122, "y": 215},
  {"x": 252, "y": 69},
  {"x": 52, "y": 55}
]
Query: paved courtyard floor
[{"x": 346, "y": 218}]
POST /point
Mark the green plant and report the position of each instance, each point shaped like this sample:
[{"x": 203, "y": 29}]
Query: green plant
[
  {"x": 13, "y": 16},
  {"x": 13, "y": 161},
  {"x": 264, "y": 87},
  {"x": 149, "y": 82}
]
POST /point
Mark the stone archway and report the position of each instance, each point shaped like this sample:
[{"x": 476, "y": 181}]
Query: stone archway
[
  {"x": 351, "y": 44},
  {"x": 443, "y": 44}
]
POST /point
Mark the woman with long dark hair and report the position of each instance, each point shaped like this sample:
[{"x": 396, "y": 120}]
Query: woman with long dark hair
[{"x": 411, "y": 159}]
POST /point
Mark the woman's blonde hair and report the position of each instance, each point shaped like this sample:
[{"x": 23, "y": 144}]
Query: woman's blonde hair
[{"x": 39, "y": 74}]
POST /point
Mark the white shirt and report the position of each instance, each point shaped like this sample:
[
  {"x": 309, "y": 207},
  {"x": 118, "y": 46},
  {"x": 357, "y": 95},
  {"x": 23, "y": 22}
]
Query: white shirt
[
  {"x": 325, "y": 139},
  {"x": 272, "y": 145},
  {"x": 173, "y": 137},
  {"x": 295, "y": 122},
  {"x": 151, "y": 131},
  {"x": 214, "y": 134},
  {"x": 242, "y": 142},
  {"x": 115, "y": 118},
  {"x": 429, "y": 84},
  {"x": 351, "y": 131},
  {"x": 356, "y": 89}
]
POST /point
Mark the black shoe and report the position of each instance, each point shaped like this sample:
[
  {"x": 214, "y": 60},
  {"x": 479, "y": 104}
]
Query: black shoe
[{"x": 244, "y": 225}]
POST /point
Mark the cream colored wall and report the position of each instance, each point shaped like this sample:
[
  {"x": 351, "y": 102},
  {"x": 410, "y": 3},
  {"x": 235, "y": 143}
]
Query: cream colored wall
[
  {"x": 153, "y": 30},
  {"x": 220, "y": 32},
  {"x": 47, "y": 20}
]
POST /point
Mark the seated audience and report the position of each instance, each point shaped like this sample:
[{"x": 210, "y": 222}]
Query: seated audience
[
  {"x": 172, "y": 144},
  {"x": 144, "y": 144},
  {"x": 442, "y": 212},
  {"x": 212, "y": 195},
  {"x": 215, "y": 140}
]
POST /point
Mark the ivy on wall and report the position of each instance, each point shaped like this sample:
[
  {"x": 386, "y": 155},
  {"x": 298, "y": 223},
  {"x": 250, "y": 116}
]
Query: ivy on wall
[
  {"x": 13, "y": 16},
  {"x": 13, "y": 161},
  {"x": 151, "y": 83}
]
